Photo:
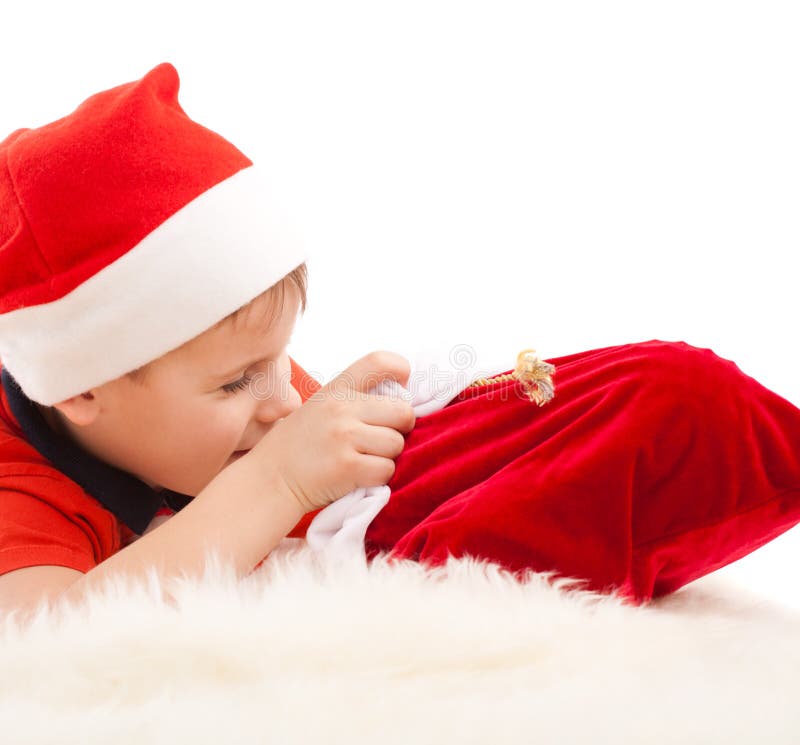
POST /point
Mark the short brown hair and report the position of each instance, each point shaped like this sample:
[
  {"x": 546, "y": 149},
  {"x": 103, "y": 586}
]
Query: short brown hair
[{"x": 298, "y": 277}]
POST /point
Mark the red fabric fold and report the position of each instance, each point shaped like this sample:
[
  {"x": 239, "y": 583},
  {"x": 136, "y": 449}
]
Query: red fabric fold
[{"x": 655, "y": 463}]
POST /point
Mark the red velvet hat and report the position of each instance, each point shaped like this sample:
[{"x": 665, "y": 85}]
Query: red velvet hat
[{"x": 126, "y": 229}]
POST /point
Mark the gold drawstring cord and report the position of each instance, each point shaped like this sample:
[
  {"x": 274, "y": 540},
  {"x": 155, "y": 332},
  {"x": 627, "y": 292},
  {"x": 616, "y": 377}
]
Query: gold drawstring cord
[{"x": 534, "y": 375}]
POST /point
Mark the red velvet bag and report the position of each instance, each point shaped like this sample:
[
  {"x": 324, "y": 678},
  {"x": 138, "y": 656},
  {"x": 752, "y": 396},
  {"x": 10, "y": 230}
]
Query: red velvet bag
[{"x": 655, "y": 463}]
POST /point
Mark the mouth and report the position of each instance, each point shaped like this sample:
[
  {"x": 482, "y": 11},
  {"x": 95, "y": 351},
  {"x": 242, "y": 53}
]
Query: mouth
[{"x": 239, "y": 454}]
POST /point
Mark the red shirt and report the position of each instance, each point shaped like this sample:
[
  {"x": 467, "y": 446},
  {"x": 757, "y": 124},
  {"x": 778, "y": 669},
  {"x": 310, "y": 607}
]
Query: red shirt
[{"x": 48, "y": 518}]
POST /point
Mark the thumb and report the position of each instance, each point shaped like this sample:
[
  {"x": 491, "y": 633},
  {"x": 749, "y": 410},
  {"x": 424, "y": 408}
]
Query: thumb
[{"x": 368, "y": 371}]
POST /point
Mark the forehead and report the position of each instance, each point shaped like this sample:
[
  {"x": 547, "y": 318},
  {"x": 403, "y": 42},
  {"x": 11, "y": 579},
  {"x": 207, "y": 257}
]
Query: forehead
[{"x": 261, "y": 328}]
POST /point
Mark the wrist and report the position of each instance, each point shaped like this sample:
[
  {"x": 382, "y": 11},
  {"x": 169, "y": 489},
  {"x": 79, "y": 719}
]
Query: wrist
[{"x": 269, "y": 485}]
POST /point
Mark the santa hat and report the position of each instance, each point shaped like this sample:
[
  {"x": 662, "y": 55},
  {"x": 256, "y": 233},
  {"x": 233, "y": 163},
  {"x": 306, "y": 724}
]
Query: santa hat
[{"x": 126, "y": 229}]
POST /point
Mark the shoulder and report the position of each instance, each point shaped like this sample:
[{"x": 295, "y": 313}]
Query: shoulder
[{"x": 45, "y": 517}]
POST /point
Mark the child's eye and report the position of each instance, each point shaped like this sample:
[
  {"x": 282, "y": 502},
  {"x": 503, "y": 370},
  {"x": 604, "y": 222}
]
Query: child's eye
[{"x": 239, "y": 385}]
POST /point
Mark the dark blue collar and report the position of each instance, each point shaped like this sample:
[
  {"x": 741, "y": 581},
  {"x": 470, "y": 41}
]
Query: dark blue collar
[{"x": 129, "y": 498}]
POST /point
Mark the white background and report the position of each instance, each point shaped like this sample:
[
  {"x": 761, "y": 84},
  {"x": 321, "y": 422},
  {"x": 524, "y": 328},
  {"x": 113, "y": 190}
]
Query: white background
[{"x": 561, "y": 175}]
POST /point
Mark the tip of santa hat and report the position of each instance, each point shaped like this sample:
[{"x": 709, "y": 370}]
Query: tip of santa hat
[{"x": 164, "y": 77}]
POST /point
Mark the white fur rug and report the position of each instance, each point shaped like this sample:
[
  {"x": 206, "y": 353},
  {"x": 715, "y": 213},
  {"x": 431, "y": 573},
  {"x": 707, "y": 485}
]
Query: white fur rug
[{"x": 299, "y": 653}]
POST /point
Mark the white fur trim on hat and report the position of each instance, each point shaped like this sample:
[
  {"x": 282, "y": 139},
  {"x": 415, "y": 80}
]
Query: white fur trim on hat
[{"x": 208, "y": 259}]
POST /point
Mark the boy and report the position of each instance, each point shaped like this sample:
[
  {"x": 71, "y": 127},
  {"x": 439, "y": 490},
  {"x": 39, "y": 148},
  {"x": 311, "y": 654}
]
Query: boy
[{"x": 148, "y": 292}]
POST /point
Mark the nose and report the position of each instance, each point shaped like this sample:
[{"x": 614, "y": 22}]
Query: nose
[{"x": 278, "y": 406}]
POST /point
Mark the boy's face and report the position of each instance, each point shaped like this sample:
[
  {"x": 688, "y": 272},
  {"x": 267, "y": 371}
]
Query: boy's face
[{"x": 181, "y": 428}]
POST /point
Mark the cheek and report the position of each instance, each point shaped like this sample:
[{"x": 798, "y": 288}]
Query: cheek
[
  {"x": 193, "y": 429},
  {"x": 216, "y": 428}
]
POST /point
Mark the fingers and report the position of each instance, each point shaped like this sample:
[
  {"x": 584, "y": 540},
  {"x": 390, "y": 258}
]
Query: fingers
[
  {"x": 381, "y": 441},
  {"x": 375, "y": 470},
  {"x": 357, "y": 380},
  {"x": 387, "y": 412}
]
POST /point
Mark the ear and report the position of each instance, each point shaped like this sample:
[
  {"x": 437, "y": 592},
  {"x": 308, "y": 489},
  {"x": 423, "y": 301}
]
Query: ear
[{"x": 80, "y": 410}]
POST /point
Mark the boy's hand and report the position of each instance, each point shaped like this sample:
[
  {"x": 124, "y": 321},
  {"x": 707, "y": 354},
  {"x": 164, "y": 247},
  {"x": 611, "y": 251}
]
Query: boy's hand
[{"x": 342, "y": 437}]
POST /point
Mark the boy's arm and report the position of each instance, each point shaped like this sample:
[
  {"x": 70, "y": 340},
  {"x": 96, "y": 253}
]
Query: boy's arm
[
  {"x": 22, "y": 590},
  {"x": 243, "y": 513}
]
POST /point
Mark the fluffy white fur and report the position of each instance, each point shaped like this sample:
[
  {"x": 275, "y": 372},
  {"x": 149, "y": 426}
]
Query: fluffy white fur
[{"x": 302, "y": 653}]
